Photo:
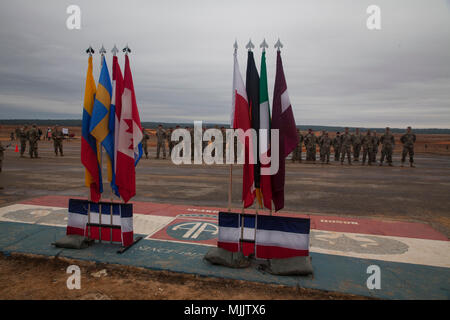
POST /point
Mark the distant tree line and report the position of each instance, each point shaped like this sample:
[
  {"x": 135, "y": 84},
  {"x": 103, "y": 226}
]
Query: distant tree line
[{"x": 154, "y": 125}]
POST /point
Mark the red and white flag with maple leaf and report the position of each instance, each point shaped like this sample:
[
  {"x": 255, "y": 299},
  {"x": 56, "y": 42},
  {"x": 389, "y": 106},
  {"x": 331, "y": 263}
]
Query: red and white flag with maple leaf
[{"x": 129, "y": 138}]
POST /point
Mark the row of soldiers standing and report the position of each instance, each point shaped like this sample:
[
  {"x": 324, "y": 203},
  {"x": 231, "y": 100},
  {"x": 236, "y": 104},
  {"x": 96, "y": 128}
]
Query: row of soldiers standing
[
  {"x": 345, "y": 144},
  {"x": 163, "y": 135},
  {"x": 32, "y": 135}
]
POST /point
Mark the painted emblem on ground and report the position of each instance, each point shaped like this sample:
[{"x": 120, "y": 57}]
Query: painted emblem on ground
[
  {"x": 357, "y": 243},
  {"x": 193, "y": 230}
]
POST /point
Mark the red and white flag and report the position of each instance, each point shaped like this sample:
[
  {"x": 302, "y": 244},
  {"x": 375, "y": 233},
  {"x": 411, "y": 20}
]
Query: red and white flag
[
  {"x": 130, "y": 136},
  {"x": 116, "y": 101},
  {"x": 240, "y": 119}
]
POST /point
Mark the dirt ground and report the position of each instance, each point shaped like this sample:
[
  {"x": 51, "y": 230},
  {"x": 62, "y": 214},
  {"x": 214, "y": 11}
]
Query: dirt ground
[
  {"x": 33, "y": 277},
  {"x": 392, "y": 193}
]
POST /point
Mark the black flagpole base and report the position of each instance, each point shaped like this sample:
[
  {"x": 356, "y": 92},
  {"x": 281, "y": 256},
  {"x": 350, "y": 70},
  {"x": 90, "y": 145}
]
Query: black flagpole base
[{"x": 123, "y": 249}]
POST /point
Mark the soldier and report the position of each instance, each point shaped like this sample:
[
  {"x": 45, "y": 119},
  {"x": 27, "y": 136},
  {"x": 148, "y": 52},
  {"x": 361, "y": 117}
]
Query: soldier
[
  {"x": 375, "y": 144},
  {"x": 408, "y": 140},
  {"x": 145, "y": 138},
  {"x": 297, "y": 153},
  {"x": 356, "y": 142},
  {"x": 346, "y": 145},
  {"x": 23, "y": 139},
  {"x": 319, "y": 139},
  {"x": 58, "y": 138},
  {"x": 310, "y": 144},
  {"x": 388, "y": 142},
  {"x": 39, "y": 133},
  {"x": 33, "y": 137},
  {"x": 169, "y": 140},
  {"x": 161, "y": 141},
  {"x": 367, "y": 145},
  {"x": 325, "y": 148},
  {"x": 337, "y": 146}
]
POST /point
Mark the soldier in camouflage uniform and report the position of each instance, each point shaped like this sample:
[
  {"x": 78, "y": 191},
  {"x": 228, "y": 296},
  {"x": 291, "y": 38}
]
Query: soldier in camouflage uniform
[
  {"x": 33, "y": 137},
  {"x": 367, "y": 145},
  {"x": 310, "y": 144},
  {"x": 346, "y": 146},
  {"x": 170, "y": 143},
  {"x": 58, "y": 138},
  {"x": 388, "y": 142},
  {"x": 319, "y": 139},
  {"x": 145, "y": 138},
  {"x": 408, "y": 140},
  {"x": 23, "y": 137},
  {"x": 337, "y": 146},
  {"x": 356, "y": 143},
  {"x": 375, "y": 144},
  {"x": 297, "y": 153},
  {"x": 160, "y": 141},
  {"x": 325, "y": 148}
]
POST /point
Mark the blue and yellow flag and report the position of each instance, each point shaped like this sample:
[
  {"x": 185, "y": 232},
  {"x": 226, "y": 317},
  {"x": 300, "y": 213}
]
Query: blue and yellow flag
[
  {"x": 89, "y": 153},
  {"x": 101, "y": 127}
]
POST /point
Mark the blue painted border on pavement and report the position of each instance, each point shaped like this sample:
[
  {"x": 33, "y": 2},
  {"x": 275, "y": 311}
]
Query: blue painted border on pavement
[{"x": 331, "y": 272}]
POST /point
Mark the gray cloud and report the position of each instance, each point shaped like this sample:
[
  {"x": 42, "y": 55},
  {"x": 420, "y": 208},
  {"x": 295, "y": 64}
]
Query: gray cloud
[{"x": 338, "y": 72}]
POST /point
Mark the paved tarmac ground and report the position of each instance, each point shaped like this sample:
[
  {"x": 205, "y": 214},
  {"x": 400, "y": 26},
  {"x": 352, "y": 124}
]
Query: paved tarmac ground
[{"x": 408, "y": 194}]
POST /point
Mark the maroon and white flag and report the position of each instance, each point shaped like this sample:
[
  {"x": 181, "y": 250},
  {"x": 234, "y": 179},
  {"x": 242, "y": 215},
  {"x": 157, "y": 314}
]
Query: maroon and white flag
[
  {"x": 283, "y": 120},
  {"x": 129, "y": 138}
]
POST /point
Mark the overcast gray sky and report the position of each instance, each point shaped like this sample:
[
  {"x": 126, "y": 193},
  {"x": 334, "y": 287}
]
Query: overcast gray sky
[{"x": 338, "y": 72}]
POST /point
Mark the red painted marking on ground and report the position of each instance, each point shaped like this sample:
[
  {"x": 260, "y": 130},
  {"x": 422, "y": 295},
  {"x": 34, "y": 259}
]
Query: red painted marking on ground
[
  {"x": 318, "y": 222},
  {"x": 163, "y": 235}
]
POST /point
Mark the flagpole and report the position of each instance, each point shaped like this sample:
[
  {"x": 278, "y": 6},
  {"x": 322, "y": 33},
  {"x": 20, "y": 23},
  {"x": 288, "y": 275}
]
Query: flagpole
[
  {"x": 230, "y": 187},
  {"x": 90, "y": 51},
  {"x": 102, "y": 52},
  {"x": 114, "y": 52}
]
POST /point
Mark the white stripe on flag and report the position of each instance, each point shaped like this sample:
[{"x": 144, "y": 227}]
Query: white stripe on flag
[
  {"x": 127, "y": 224},
  {"x": 297, "y": 241},
  {"x": 77, "y": 220},
  {"x": 229, "y": 234},
  {"x": 285, "y": 102},
  {"x": 106, "y": 218}
]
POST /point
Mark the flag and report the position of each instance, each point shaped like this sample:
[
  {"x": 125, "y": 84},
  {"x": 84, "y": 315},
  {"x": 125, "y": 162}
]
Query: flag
[
  {"x": 116, "y": 109},
  {"x": 276, "y": 237},
  {"x": 232, "y": 237},
  {"x": 116, "y": 220},
  {"x": 129, "y": 148},
  {"x": 101, "y": 123},
  {"x": 93, "y": 174},
  {"x": 264, "y": 132},
  {"x": 252, "y": 87},
  {"x": 283, "y": 120},
  {"x": 240, "y": 119}
]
